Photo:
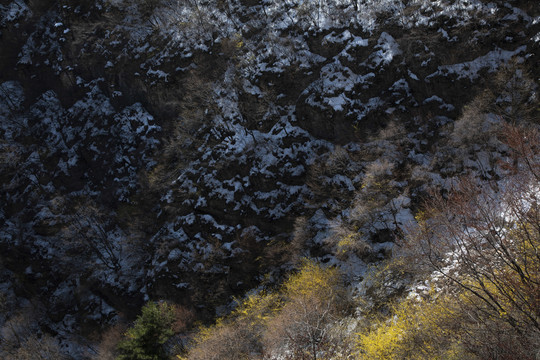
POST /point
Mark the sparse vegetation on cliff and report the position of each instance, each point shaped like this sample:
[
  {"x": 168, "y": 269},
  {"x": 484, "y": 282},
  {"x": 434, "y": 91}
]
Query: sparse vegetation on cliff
[{"x": 315, "y": 160}]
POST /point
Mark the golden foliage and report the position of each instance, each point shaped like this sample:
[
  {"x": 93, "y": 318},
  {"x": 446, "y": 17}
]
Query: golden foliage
[
  {"x": 478, "y": 248},
  {"x": 417, "y": 329},
  {"x": 298, "y": 317},
  {"x": 237, "y": 336},
  {"x": 312, "y": 279}
]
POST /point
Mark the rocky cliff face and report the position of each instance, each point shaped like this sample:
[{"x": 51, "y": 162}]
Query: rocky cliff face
[{"x": 183, "y": 150}]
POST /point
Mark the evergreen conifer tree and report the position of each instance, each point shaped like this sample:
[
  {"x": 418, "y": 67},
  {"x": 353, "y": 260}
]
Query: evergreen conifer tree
[{"x": 146, "y": 338}]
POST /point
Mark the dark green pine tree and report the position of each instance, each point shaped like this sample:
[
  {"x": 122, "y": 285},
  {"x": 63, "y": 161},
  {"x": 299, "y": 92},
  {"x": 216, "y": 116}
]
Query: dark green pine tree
[{"x": 146, "y": 338}]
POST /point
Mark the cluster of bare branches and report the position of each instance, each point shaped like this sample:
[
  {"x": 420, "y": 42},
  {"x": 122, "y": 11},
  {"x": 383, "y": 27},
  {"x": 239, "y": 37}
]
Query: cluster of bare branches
[{"x": 483, "y": 243}]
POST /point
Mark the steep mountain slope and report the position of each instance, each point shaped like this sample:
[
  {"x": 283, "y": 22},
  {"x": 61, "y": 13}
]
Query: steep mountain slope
[{"x": 191, "y": 150}]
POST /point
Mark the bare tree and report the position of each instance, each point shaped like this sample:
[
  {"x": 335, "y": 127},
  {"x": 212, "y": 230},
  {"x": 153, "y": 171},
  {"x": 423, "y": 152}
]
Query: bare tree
[
  {"x": 484, "y": 240},
  {"x": 314, "y": 300},
  {"x": 22, "y": 339},
  {"x": 88, "y": 229}
]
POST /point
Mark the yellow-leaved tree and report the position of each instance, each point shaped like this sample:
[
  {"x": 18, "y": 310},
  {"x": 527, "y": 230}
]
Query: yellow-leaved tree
[
  {"x": 239, "y": 335},
  {"x": 297, "y": 321},
  {"x": 418, "y": 328},
  {"x": 314, "y": 299},
  {"x": 480, "y": 245}
]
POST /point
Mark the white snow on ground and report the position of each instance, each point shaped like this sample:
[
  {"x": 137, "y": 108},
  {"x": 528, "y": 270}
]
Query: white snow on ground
[
  {"x": 471, "y": 69},
  {"x": 462, "y": 11},
  {"x": 14, "y": 11},
  {"x": 387, "y": 47}
]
